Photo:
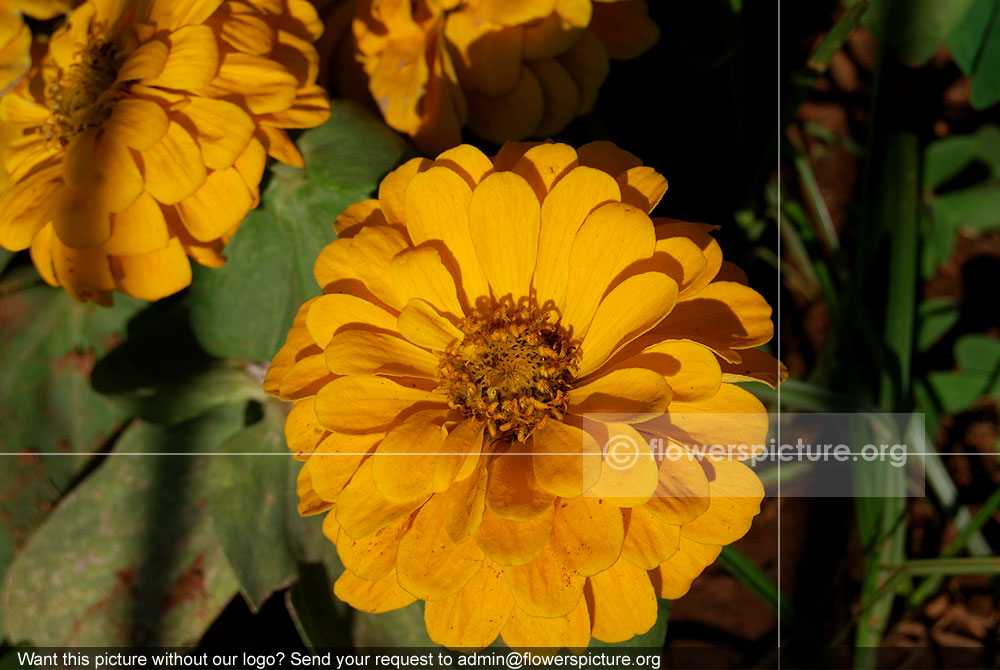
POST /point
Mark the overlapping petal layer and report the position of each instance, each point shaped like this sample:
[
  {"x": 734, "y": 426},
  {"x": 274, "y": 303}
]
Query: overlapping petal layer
[
  {"x": 508, "y": 70},
  {"x": 140, "y": 138},
  {"x": 453, "y": 435}
]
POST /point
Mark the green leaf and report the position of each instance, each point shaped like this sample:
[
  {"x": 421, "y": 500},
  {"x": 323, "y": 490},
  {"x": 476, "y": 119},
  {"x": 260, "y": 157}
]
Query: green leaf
[
  {"x": 966, "y": 40},
  {"x": 320, "y": 618},
  {"x": 977, "y": 207},
  {"x": 986, "y": 76},
  {"x": 914, "y": 29},
  {"x": 978, "y": 360},
  {"x": 129, "y": 557},
  {"x": 6, "y": 256},
  {"x": 27, "y": 496},
  {"x": 248, "y": 502},
  {"x": 935, "y": 317},
  {"x": 245, "y": 308},
  {"x": 978, "y": 354},
  {"x": 48, "y": 347}
]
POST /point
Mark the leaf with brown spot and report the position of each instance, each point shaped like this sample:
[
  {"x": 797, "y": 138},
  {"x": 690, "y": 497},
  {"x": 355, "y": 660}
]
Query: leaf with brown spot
[{"x": 129, "y": 556}]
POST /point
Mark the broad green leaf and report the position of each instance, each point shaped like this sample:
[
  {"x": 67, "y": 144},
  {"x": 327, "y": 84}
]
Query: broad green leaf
[
  {"x": 249, "y": 501},
  {"x": 966, "y": 40},
  {"x": 48, "y": 346},
  {"x": 27, "y": 494},
  {"x": 978, "y": 361},
  {"x": 976, "y": 207},
  {"x": 914, "y": 29},
  {"x": 935, "y": 317},
  {"x": 129, "y": 557},
  {"x": 986, "y": 77},
  {"x": 946, "y": 158},
  {"x": 245, "y": 308},
  {"x": 979, "y": 354}
]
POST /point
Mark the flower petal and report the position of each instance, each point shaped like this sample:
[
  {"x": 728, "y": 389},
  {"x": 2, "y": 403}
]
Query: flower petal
[
  {"x": 172, "y": 169},
  {"x": 220, "y": 128},
  {"x": 419, "y": 273},
  {"x": 564, "y": 210},
  {"x": 587, "y": 535},
  {"x": 683, "y": 492},
  {"x": 674, "y": 576},
  {"x": 756, "y": 365},
  {"x": 723, "y": 315},
  {"x": 137, "y": 123},
  {"x": 331, "y": 313},
  {"x": 382, "y": 595},
  {"x": 421, "y": 324},
  {"x": 736, "y": 493},
  {"x": 514, "y": 542},
  {"x": 336, "y": 458},
  {"x": 622, "y": 603},
  {"x": 691, "y": 369},
  {"x": 192, "y": 59},
  {"x": 626, "y": 312},
  {"x": 627, "y": 395},
  {"x": 437, "y": 212},
  {"x": 429, "y": 564},
  {"x": 156, "y": 274},
  {"x": 544, "y": 587},
  {"x": 544, "y": 165},
  {"x": 527, "y": 632},
  {"x": 614, "y": 237},
  {"x": 362, "y": 352},
  {"x": 513, "y": 492},
  {"x": 363, "y": 510},
  {"x": 374, "y": 556},
  {"x": 403, "y": 464},
  {"x": 648, "y": 540},
  {"x": 369, "y": 404},
  {"x": 642, "y": 187},
  {"x": 566, "y": 460},
  {"x": 217, "y": 207},
  {"x": 504, "y": 218},
  {"x": 473, "y": 617},
  {"x": 469, "y": 162}
]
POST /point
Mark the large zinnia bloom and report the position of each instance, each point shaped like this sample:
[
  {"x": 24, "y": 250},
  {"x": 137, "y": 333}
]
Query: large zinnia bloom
[
  {"x": 508, "y": 70},
  {"x": 484, "y": 326},
  {"x": 143, "y": 133}
]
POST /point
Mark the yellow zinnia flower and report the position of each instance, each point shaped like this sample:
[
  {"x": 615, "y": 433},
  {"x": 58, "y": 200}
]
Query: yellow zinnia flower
[
  {"x": 143, "y": 135},
  {"x": 508, "y": 70},
  {"x": 484, "y": 326}
]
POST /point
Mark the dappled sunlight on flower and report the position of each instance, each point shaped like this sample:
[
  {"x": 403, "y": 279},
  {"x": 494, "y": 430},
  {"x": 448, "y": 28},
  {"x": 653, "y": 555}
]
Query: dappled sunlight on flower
[
  {"x": 475, "y": 318},
  {"x": 142, "y": 135},
  {"x": 508, "y": 70}
]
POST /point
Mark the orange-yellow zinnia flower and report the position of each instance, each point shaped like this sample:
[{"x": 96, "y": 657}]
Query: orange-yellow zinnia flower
[
  {"x": 143, "y": 134},
  {"x": 508, "y": 70},
  {"x": 475, "y": 318}
]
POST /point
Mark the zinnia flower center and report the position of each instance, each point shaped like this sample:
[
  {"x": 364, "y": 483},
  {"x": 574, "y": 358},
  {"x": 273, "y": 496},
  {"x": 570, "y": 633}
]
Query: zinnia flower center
[
  {"x": 85, "y": 94},
  {"x": 512, "y": 370}
]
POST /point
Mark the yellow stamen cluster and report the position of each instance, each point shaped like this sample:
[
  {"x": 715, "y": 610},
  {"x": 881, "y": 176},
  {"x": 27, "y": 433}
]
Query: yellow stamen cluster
[
  {"x": 84, "y": 95},
  {"x": 512, "y": 370}
]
